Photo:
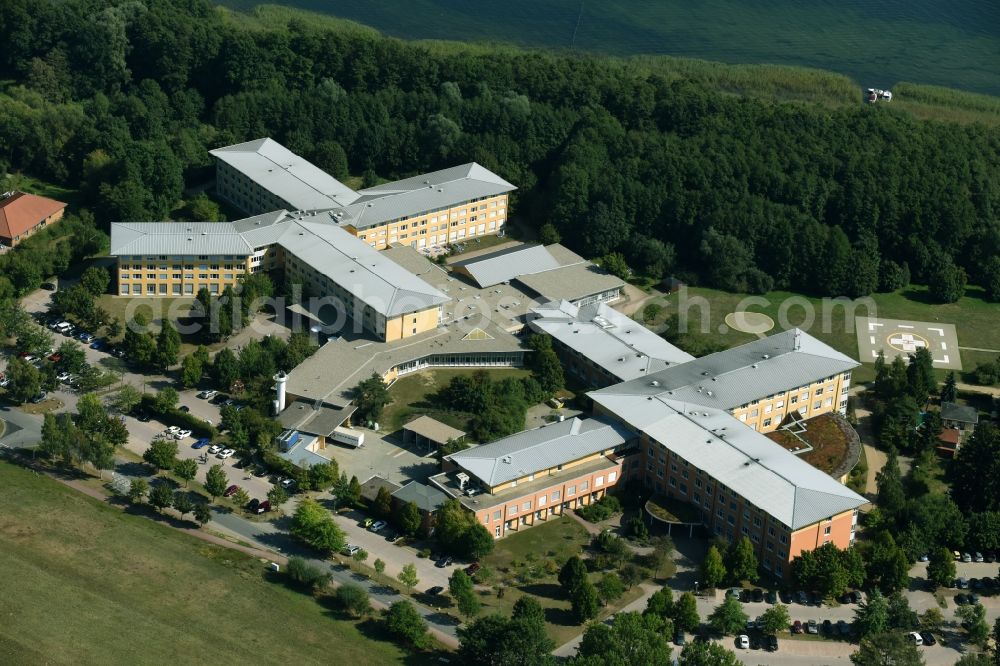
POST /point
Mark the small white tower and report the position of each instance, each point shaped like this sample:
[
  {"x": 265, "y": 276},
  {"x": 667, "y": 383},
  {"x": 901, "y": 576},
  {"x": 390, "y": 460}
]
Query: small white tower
[{"x": 280, "y": 380}]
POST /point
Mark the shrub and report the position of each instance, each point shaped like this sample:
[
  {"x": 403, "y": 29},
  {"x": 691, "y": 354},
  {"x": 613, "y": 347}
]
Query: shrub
[
  {"x": 304, "y": 575},
  {"x": 600, "y": 510}
]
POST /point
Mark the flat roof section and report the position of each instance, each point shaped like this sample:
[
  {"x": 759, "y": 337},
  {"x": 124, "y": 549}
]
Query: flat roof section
[
  {"x": 427, "y": 498},
  {"x": 571, "y": 283},
  {"x": 433, "y": 430},
  {"x": 624, "y": 348},
  {"x": 302, "y": 184},
  {"x": 505, "y": 265}
]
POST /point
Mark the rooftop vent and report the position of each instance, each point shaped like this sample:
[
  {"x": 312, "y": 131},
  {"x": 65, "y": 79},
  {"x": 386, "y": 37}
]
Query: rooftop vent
[
  {"x": 654, "y": 383},
  {"x": 754, "y": 366},
  {"x": 621, "y": 359},
  {"x": 506, "y": 459},
  {"x": 767, "y": 356}
]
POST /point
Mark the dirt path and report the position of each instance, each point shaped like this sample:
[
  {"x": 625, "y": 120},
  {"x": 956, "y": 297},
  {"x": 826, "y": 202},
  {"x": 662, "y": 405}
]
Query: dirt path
[
  {"x": 876, "y": 461},
  {"x": 636, "y": 299}
]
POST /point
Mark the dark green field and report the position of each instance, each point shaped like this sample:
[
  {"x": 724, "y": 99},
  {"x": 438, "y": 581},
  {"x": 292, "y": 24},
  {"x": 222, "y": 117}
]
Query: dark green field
[{"x": 876, "y": 42}]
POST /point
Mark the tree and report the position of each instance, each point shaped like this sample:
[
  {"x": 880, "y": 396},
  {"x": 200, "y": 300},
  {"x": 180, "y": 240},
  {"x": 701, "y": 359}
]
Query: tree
[
  {"x": 313, "y": 524},
  {"x": 241, "y": 498},
  {"x": 615, "y": 264},
  {"x": 686, "y": 616},
  {"x": 741, "y": 561},
  {"x": 871, "y": 617},
  {"x": 459, "y": 533},
  {"x": 182, "y": 503},
  {"x": 941, "y": 567},
  {"x": 166, "y": 400},
  {"x": 128, "y": 398},
  {"x": 137, "y": 490},
  {"x": 661, "y": 603},
  {"x": 191, "y": 371},
  {"x": 379, "y": 566},
  {"x": 161, "y": 454},
  {"x": 949, "y": 391},
  {"x": 354, "y": 491},
  {"x": 548, "y": 371},
  {"x": 168, "y": 345},
  {"x": 462, "y": 590},
  {"x": 370, "y": 398},
  {"x": 216, "y": 481},
  {"x": 634, "y": 639},
  {"x": 572, "y": 574},
  {"x": 353, "y": 599},
  {"x": 707, "y": 654},
  {"x": 306, "y": 575},
  {"x": 946, "y": 281},
  {"x": 828, "y": 570},
  {"x": 610, "y": 587},
  {"x": 225, "y": 369},
  {"x": 584, "y": 602},
  {"x": 383, "y": 503},
  {"x": 409, "y": 519},
  {"x": 502, "y": 641},
  {"x": 360, "y": 556},
  {"x": 408, "y": 576},
  {"x": 931, "y": 619},
  {"x": 25, "y": 380},
  {"x": 713, "y": 571},
  {"x": 277, "y": 496},
  {"x": 973, "y": 619},
  {"x": 202, "y": 513},
  {"x": 888, "y": 564},
  {"x": 161, "y": 496},
  {"x": 403, "y": 620},
  {"x": 728, "y": 617},
  {"x": 887, "y": 648},
  {"x": 774, "y": 619},
  {"x": 186, "y": 469},
  {"x": 975, "y": 659},
  {"x": 96, "y": 280}
]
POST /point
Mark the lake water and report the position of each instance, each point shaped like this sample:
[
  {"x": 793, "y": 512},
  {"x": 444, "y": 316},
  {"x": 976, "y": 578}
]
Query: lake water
[{"x": 953, "y": 43}]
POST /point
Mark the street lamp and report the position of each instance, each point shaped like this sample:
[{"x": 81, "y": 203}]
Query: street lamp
[{"x": 696, "y": 588}]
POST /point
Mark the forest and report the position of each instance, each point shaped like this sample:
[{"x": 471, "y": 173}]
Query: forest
[{"x": 123, "y": 99}]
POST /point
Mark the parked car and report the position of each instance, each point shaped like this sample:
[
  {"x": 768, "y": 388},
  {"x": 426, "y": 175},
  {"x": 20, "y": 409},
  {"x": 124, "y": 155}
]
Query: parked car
[
  {"x": 226, "y": 453},
  {"x": 916, "y": 638},
  {"x": 978, "y": 557},
  {"x": 733, "y": 592},
  {"x": 772, "y": 643},
  {"x": 751, "y": 625},
  {"x": 436, "y": 590},
  {"x": 231, "y": 490},
  {"x": 973, "y": 599},
  {"x": 350, "y": 549},
  {"x": 928, "y": 638},
  {"x": 54, "y": 357},
  {"x": 63, "y": 377},
  {"x": 771, "y": 596},
  {"x": 391, "y": 536},
  {"x": 856, "y": 597},
  {"x": 966, "y": 558},
  {"x": 785, "y": 596},
  {"x": 98, "y": 345},
  {"x": 802, "y": 598},
  {"x": 4, "y": 382},
  {"x": 215, "y": 448},
  {"x": 252, "y": 505},
  {"x": 812, "y": 627},
  {"x": 843, "y": 628},
  {"x": 208, "y": 395},
  {"x": 745, "y": 596},
  {"x": 182, "y": 434},
  {"x": 264, "y": 506},
  {"x": 287, "y": 484},
  {"x": 377, "y": 525},
  {"x": 827, "y": 627},
  {"x": 816, "y": 598},
  {"x": 171, "y": 430},
  {"x": 184, "y": 408},
  {"x": 743, "y": 642},
  {"x": 201, "y": 443},
  {"x": 38, "y": 398},
  {"x": 754, "y": 642},
  {"x": 758, "y": 595},
  {"x": 961, "y": 600},
  {"x": 86, "y": 337},
  {"x": 443, "y": 562},
  {"x": 143, "y": 416},
  {"x": 962, "y": 583},
  {"x": 797, "y": 627},
  {"x": 975, "y": 584}
]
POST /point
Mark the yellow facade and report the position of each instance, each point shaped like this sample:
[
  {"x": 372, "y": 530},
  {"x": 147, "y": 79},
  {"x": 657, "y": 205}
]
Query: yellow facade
[
  {"x": 412, "y": 324},
  {"x": 180, "y": 275},
  {"x": 465, "y": 220},
  {"x": 821, "y": 397},
  {"x": 547, "y": 472}
]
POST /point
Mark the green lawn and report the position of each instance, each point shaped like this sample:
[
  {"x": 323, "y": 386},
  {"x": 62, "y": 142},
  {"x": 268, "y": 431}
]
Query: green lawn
[
  {"x": 85, "y": 583},
  {"x": 411, "y": 395},
  {"x": 26, "y": 183},
  {"x": 526, "y": 563},
  {"x": 975, "y": 318}
]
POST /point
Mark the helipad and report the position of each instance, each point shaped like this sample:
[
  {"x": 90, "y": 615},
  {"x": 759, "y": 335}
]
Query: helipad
[{"x": 896, "y": 337}]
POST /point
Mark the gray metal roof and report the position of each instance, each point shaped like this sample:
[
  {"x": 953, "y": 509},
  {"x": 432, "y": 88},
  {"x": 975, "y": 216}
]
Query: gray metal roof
[
  {"x": 571, "y": 283},
  {"x": 421, "y": 194},
  {"x": 539, "y": 449},
  {"x": 303, "y": 185},
  {"x": 177, "y": 238},
  {"x": 508, "y": 264},
  {"x": 609, "y": 339},
  {"x": 951, "y": 411},
  {"x": 758, "y": 469},
  {"x": 262, "y": 230},
  {"x": 433, "y": 429},
  {"x": 307, "y": 418},
  {"x": 731, "y": 378},
  {"x": 339, "y": 365},
  {"x": 426, "y": 498},
  {"x": 363, "y": 271}
]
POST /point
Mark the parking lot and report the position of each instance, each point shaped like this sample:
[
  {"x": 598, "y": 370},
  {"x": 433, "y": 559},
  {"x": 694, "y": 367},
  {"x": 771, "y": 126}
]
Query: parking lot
[{"x": 387, "y": 457}]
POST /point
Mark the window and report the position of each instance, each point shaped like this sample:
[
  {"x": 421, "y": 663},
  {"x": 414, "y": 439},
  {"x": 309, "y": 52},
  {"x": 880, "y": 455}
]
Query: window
[
  {"x": 497, "y": 514},
  {"x": 543, "y": 500},
  {"x": 496, "y": 531},
  {"x": 612, "y": 476},
  {"x": 512, "y": 509},
  {"x": 584, "y": 485},
  {"x": 556, "y": 495},
  {"x": 526, "y": 506},
  {"x": 826, "y": 530},
  {"x": 767, "y": 422},
  {"x": 599, "y": 481}
]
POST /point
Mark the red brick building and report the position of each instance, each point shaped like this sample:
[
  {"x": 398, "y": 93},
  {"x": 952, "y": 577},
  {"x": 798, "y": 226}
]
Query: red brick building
[{"x": 22, "y": 214}]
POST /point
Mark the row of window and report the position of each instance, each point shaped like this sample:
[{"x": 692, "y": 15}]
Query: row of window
[
  {"x": 161, "y": 289},
  {"x": 229, "y": 277}
]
